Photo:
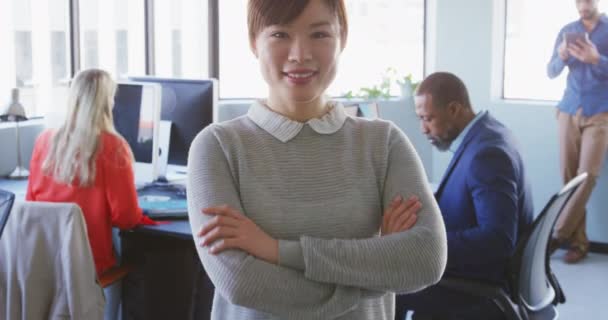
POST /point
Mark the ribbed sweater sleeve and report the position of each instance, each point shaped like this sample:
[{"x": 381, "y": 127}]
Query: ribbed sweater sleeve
[
  {"x": 401, "y": 262},
  {"x": 238, "y": 277}
]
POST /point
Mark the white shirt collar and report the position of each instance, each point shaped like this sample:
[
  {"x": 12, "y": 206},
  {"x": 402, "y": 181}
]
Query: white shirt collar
[
  {"x": 458, "y": 141},
  {"x": 286, "y": 129}
]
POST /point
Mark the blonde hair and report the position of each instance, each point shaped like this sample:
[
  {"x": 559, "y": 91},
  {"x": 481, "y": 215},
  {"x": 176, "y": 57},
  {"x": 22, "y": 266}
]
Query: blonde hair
[{"x": 73, "y": 148}]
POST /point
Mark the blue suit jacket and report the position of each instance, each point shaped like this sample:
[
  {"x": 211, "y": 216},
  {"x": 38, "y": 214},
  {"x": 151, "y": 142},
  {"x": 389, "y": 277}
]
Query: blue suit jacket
[{"x": 485, "y": 201}]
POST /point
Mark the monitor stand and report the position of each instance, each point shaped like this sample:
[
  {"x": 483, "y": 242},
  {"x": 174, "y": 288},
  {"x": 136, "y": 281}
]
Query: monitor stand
[
  {"x": 162, "y": 185},
  {"x": 164, "y": 138},
  {"x": 160, "y": 181}
]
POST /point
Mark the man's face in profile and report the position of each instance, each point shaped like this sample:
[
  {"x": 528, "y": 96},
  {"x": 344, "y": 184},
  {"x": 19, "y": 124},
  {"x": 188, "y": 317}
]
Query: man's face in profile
[
  {"x": 587, "y": 9},
  {"x": 437, "y": 124}
]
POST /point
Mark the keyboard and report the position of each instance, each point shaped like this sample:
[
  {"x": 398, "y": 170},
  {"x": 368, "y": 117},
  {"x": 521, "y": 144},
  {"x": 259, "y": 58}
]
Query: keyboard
[{"x": 163, "y": 201}]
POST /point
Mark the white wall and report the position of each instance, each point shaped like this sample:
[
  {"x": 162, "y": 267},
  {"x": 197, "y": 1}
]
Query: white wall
[{"x": 28, "y": 131}]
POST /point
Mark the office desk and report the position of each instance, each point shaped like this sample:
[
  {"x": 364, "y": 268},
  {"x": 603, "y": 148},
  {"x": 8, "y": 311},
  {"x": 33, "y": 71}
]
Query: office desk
[
  {"x": 176, "y": 228},
  {"x": 18, "y": 187},
  {"x": 168, "y": 281}
]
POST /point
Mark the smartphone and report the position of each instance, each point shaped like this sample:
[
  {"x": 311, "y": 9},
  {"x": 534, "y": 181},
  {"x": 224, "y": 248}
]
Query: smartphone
[{"x": 574, "y": 37}]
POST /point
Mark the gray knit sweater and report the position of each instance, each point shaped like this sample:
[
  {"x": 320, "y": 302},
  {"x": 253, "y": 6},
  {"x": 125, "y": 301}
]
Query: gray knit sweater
[{"x": 319, "y": 188}]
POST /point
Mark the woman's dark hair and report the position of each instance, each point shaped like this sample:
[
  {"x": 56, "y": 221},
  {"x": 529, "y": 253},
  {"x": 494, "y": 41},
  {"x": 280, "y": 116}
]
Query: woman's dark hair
[{"x": 264, "y": 13}]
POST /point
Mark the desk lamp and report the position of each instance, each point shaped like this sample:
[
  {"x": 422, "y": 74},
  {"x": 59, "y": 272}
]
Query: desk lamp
[{"x": 15, "y": 112}]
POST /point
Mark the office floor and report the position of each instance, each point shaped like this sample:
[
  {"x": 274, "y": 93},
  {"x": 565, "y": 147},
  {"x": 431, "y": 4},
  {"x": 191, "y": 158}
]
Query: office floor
[{"x": 585, "y": 285}]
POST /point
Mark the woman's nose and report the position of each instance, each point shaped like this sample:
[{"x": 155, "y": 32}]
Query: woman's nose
[{"x": 299, "y": 51}]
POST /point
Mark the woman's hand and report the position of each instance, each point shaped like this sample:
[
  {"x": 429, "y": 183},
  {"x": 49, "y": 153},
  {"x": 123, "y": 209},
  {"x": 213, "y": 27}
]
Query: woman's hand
[
  {"x": 146, "y": 221},
  {"x": 230, "y": 229},
  {"x": 401, "y": 215}
]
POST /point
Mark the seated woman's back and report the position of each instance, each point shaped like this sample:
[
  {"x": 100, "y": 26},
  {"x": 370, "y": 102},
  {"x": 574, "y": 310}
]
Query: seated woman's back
[{"x": 86, "y": 162}]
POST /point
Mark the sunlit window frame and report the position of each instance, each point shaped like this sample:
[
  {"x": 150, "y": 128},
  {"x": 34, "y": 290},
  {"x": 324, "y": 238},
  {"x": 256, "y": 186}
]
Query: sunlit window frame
[
  {"x": 75, "y": 47},
  {"x": 500, "y": 68},
  {"x": 503, "y": 7},
  {"x": 214, "y": 43}
]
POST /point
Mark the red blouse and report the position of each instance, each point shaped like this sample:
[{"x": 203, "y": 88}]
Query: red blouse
[{"x": 111, "y": 201}]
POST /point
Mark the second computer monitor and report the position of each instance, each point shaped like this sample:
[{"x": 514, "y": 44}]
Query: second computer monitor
[
  {"x": 190, "y": 105},
  {"x": 136, "y": 114}
]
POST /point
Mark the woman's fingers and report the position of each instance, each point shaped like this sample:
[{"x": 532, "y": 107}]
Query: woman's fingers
[
  {"x": 393, "y": 210},
  {"x": 388, "y": 212},
  {"x": 225, "y": 244},
  {"x": 394, "y": 203},
  {"x": 400, "y": 209},
  {"x": 400, "y": 217},
  {"x": 218, "y": 221},
  {"x": 218, "y": 233},
  {"x": 408, "y": 218},
  {"x": 408, "y": 224},
  {"x": 223, "y": 210}
]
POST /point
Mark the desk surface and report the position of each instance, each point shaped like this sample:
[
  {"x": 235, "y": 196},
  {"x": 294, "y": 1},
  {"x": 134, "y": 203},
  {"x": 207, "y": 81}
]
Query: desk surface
[
  {"x": 176, "y": 228},
  {"x": 18, "y": 187}
]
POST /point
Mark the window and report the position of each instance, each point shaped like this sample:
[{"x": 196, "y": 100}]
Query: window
[
  {"x": 35, "y": 37},
  {"x": 392, "y": 29},
  {"x": 112, "y": 36},
  {"x": 529, "y": 46},
  {"x": 181, "y": 38}
]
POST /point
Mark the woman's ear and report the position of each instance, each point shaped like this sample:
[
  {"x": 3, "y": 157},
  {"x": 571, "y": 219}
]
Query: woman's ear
[
  {"x": 342, "y": 42},
  {"x": 253, "y": 47}
]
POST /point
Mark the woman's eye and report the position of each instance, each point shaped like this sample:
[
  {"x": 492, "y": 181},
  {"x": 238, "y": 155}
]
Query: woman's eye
[
  {"x": 279, "y": 35},
  {"x": 319, "y": 35}
]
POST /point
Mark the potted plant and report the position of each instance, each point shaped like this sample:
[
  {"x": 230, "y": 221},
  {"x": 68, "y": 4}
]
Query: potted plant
[
  {"x": 383, "y": 89},
  {"x": 407, "y": 86}
]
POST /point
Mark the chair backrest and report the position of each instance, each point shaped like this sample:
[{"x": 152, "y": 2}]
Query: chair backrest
[
  {"x": 46, "y": 265},
  {"x": 530, "y": 278},
  {"x": 6, "y": 203}
]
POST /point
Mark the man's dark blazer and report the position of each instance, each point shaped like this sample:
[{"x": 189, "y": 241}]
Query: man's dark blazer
[
  {"x": 485, "y": 200},
  {"x": 486, "y": 203}
]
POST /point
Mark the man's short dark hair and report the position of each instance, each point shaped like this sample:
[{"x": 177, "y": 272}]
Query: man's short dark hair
[{"x": 445, "y": 88}]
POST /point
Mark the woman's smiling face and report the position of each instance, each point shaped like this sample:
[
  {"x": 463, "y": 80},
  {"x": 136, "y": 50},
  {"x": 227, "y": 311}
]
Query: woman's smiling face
[{"x": 298, "y": 60}]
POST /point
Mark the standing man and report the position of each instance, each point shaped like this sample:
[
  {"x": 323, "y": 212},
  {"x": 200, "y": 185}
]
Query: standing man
[
  {"x": 484, "y": 197},
  {"x": 582, "y": 117}
]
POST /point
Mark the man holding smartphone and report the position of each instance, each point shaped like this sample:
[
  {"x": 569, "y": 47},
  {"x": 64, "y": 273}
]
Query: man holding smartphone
[{"x": 582, "y": 117}]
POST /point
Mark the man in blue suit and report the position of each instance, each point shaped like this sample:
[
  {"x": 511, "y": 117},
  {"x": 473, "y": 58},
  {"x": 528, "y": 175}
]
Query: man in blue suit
[{"x": 484, "y": 197}]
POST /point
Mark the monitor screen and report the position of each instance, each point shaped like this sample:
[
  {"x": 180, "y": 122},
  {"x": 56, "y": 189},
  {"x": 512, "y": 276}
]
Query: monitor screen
[
  {"x": 136, "y": 118},
  {"x": 190, "y": 106}
]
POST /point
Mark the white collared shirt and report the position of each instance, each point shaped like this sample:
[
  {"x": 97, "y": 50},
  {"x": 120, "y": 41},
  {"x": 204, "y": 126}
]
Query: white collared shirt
[{"x": 286, "y": 129}]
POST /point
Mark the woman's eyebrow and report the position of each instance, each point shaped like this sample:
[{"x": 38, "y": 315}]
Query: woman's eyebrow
[{"x": 319, "y": 24}]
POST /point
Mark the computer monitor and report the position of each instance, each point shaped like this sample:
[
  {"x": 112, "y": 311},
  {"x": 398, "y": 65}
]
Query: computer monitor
[
  {"x": 190, "y": 106},
  {"x": 136, "y": 116}
]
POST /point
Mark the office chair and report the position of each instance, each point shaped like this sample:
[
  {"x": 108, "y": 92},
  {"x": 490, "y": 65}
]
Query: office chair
[
  {"x": 47, "y": 268},
  {"x": 534, "y": 289},
  {"x": 6, "y": 203}
]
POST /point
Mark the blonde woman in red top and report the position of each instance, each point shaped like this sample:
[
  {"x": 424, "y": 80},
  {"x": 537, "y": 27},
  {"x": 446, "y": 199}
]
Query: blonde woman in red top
[{"x": 87, "y": 162}]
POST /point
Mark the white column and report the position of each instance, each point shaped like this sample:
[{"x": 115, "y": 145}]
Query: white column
[
  {"x": 195, "y": 39},
  {"x": 7, "y": 54},
  {"x": 136, "y": 37},
  {"x": 107, "y": 36},
  {"x": 162, "y": 42},
  {"x": 41, "y": 56}
]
